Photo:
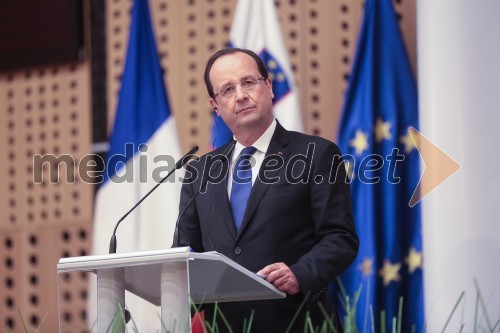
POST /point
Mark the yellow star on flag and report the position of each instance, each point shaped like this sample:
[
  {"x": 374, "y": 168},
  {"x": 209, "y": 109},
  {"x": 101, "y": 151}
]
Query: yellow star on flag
[
  {"x": 414, "y": 260},
  {"x": 408, "y": 142},
  {"x": 390, "y": 272},
  {"x": 280, "y": 77},
  {"x": 360, "y": 142},
  {"x": 271, "y": 64},
  {"x": 366, "y": 267},
  {"x": 382, "y": 130}
]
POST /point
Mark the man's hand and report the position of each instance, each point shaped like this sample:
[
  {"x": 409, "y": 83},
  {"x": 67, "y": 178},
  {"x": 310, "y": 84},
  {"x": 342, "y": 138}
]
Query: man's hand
[{"x": 282, "y": 277}]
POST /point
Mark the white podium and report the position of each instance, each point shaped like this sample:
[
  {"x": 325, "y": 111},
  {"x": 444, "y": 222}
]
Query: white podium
[{"x": 168, "y": 278}]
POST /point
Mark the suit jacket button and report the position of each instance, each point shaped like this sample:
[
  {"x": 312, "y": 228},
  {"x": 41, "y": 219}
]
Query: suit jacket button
[{"x": 237, "y": 250}]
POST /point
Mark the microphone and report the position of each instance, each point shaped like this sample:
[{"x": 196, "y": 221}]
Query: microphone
[
  {"x": 228, "y": 150},
  {"x": 179, "y": 164}
]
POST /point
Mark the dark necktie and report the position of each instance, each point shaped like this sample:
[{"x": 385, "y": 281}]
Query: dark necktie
[{"x": 242, "y": 185}]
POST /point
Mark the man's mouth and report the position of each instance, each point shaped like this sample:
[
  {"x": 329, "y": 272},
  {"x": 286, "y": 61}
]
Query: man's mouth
[{"x": 245, "y": 109}]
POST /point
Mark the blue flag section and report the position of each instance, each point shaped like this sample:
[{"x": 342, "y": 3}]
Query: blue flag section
[
  {"x": 142, "y": 102},
  {"x": 380, "y": 105},
  {"x": 221, "y": 134},
  {"x": 281, "y": 86}
]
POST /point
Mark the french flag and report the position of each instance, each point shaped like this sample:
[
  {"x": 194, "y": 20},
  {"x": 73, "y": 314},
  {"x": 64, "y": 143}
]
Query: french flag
[
  {"x": 256, "y": 27},
  {"x": 143, "y": 148}
]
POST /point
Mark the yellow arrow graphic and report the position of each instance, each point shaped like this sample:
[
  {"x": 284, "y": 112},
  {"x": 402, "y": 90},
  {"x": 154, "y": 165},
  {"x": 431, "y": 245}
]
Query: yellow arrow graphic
[{"x": 438, "y": 166}]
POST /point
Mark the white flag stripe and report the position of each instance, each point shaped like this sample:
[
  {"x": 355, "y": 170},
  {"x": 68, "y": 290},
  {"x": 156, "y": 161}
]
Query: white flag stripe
[
  {"x": 151, "y": 226},
  {"x": 256, "y": 27},
  {"x": 148, "y": 227}
]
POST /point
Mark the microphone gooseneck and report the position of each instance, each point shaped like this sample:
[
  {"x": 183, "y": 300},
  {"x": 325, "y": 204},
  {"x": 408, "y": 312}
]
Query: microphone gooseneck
[
  {"x": 228, "y": 150},
  {"x": 179, "y": 164}
]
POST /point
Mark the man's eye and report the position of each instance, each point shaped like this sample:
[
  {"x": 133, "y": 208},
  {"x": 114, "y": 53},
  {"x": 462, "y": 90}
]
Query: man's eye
[
  {"x": 247, "y": 83},
  {"x": 228, "y": 90}
]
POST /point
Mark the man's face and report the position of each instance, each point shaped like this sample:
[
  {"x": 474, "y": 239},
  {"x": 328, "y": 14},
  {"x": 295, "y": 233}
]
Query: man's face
[{"x": 246, "y": 109}]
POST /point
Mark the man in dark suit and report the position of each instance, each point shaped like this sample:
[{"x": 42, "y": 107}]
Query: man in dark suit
[{"x": 287, "y": 218}]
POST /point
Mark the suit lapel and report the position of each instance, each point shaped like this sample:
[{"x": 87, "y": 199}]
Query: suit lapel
[
  {"x": 221, "y": 203},
  {"x": 277, "y": 146},
  {"x": 217, "y": 194}
]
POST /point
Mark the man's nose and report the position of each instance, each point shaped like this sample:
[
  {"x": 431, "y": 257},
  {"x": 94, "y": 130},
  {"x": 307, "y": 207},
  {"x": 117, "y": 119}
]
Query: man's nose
[{"x": 241, "y": 93}]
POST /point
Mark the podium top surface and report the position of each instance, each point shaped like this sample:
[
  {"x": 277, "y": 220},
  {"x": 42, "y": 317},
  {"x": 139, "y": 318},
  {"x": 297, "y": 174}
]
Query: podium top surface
[
  {"x": 103, "y": 261},
  {"x": 212, "y": 276}
]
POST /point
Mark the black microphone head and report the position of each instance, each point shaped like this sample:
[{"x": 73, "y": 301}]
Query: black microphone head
[
  {"x": 112, "y": 244},
  {"x": 190, "y": 153},
  {"x": 186, "y": 157}
]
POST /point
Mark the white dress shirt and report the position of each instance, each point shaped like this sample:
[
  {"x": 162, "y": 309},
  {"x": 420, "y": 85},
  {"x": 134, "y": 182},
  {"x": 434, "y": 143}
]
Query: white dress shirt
[{"x": 261, "y": 145}]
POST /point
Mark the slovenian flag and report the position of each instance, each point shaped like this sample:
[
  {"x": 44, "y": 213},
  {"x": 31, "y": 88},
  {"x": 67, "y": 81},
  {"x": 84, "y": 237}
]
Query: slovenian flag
[
  {"x": 256, "y": 27},
  {"x": 143, "y": 148}
]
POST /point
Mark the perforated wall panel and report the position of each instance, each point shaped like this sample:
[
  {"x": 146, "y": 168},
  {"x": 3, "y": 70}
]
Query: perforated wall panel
[{"x": 46, "y": 112}]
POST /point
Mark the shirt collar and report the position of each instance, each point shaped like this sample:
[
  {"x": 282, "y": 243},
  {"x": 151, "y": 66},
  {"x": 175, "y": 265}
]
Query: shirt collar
[{"x": 262, "y": 142}]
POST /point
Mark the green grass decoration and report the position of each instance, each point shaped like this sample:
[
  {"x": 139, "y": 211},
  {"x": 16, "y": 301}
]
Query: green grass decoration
[
  {"x": 224, "y": 319},
  {"x": 373, "y": 319},
  {"x": 328, "y": 321},
  {"x": 22, "y": 320},
  {"x": 453, "y": 311},
  {"x": 297, "y": 313},
  {"x": 249, "y": 323},
  {"x": 366, "y": 312},
  {"x": 118, "y": 323},
  {"x": 400, "y": 314},
  {"x": 382, "y": 321},
  {"x": 483, "y": 306}
]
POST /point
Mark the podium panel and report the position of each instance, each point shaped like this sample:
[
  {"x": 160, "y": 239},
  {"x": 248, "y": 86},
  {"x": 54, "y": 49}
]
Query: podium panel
[{"x": 168, "y": 278}]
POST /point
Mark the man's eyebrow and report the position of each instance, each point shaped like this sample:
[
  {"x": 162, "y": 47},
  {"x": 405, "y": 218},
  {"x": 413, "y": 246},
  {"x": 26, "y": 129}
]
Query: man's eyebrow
[
  {"x": 225, "y": 84},
  {"x": 230, "y": 83}
]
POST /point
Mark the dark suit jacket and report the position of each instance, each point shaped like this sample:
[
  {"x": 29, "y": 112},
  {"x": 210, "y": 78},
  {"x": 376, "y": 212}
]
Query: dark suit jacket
[{"x": 305, "y": 223}]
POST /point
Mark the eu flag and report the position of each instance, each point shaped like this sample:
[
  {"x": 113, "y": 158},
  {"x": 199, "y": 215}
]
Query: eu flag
[{"x": 380, "y": 106}]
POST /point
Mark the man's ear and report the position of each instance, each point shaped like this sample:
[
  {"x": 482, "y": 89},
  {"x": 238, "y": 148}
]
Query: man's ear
[
  {"x": 213, "y": 103},
  {"x": 269, "y": 84}
]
